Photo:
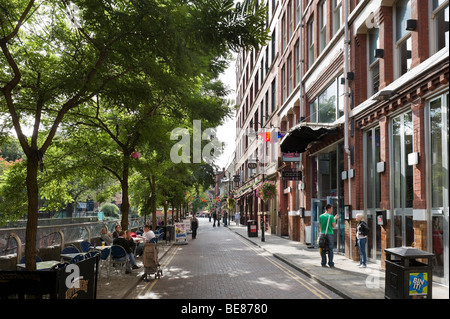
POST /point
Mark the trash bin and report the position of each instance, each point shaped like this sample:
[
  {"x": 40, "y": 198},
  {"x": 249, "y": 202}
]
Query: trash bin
[
  {"x": 252, "y": 228},
  {"x": 406, "y": 277}
]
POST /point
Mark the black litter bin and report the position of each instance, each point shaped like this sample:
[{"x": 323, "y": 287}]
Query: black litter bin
[
  {"x": 406, "y": 277},
  {"x": 252, "y": 228}
]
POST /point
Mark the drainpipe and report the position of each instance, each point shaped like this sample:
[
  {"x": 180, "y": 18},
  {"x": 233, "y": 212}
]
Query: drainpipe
[{"x": 346, "y": 110}]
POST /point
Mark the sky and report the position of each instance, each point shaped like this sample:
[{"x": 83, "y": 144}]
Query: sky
[{"x": 227, "y": 132}]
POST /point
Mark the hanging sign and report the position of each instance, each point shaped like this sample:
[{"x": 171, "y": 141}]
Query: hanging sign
[
  {"x": 291, "y": 157},
  {"x": 291, "y": 174}
]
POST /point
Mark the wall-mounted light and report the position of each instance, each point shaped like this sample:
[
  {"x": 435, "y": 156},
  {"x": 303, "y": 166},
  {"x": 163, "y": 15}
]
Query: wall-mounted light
[
  {"x": 411, "y": 25},
  {"x": 379, "y": 53},
  {"x": 350, "y": 76}
]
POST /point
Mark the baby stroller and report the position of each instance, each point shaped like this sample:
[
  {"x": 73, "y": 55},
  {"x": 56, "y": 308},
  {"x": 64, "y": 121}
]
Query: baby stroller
[{"x": 151, "y": 262}]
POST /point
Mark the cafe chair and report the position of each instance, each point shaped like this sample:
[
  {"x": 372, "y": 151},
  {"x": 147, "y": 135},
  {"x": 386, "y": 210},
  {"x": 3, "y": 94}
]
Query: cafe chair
[
  {"x": 104, "y": 256},
  {"x": 85, "y": 246},
  {"x": 77, "y": 259},
  {"x": 22, "y": 260},
  {"x": 118, "y": 256},
  {"x": 70, "y": 250}
]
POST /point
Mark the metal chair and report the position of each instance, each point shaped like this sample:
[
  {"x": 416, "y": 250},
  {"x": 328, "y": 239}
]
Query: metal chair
[
  {"x": 118, "y": 256},
  {"x": 22, "y": 260},
  {"x": 77, "y": 259},
  {"x": 70, "y": 250},
  {"x": 104, "y": 256},
  {"x": 85, "y": 246}
]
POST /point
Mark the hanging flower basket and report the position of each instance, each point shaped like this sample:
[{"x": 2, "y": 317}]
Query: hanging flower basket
[{"x": 266, "y": 190}]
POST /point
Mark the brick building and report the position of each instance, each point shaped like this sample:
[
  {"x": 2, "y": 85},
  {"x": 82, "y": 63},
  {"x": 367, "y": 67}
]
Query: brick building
[{"x": 364, "y": 106}]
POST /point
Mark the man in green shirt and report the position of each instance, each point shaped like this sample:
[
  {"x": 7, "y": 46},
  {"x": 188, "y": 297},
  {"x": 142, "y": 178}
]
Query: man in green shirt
[{"x": 329, "y": 219}]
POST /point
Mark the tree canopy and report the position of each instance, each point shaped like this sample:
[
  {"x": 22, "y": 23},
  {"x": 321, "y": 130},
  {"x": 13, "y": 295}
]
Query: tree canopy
[{"x": 102, "y": 69}]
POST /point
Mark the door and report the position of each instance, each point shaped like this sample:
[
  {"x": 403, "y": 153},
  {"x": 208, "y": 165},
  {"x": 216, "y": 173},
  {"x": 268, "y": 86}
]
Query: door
[
  {"x": 438, "y": 180},
  {"x": 402, "y": 179},
  {"x": 372, "y": 191}
]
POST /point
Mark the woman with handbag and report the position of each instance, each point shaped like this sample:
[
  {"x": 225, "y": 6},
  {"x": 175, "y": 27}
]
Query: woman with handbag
[{"x": 362, "y": 231}]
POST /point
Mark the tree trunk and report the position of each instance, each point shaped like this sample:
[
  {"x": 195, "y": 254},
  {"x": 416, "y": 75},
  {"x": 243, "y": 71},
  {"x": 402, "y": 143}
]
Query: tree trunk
[
  {"x": 165, "y": 212},
  {"x": 33, "y": 208},
  {"x": 125, "y": 207},
  {"x": 153, "y": 201}
]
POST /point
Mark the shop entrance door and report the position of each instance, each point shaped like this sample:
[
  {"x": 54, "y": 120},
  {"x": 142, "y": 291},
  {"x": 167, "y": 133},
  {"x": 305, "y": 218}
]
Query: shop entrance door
[
  {"x": 339, "y": 231},
  {"x": 317, "y": 206}
]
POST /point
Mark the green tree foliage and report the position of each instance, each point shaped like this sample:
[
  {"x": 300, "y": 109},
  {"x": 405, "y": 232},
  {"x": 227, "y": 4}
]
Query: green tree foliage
[{"x": 59, "y": 55}]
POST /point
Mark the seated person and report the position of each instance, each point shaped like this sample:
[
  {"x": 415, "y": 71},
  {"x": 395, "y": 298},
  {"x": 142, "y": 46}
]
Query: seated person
[
  {"x": 148, "y": 234},
  {"x": 106, "y": 237},
  {"x": 122, "y": 241},
  {"x": 137, "y": 249},
  {"x": 116, "y": 231}
]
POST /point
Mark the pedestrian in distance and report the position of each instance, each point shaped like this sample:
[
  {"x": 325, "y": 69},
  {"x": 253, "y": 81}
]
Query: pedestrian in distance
[
  {"x": 218, "y": 219},
  {"x": 214, "y": 218},
  {"x": 194, "y": 225},
  {"x": 362, "y": 231},
  {"x": 327, "y": 223},
  {"x": 236, "y": 217}
]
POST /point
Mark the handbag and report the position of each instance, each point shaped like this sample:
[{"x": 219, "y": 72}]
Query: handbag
[{"x": 323, "y": 238}]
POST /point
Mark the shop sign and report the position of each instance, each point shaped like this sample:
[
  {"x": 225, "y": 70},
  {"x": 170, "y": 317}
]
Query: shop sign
[{"x": 291, "y": 174}]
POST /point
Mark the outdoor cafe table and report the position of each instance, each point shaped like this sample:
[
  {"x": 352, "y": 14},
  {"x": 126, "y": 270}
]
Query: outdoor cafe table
[{"x": 42, "y": 265}]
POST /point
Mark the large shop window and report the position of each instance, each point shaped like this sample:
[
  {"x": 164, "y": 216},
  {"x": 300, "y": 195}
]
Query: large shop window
[
  {"x": 402, "y": 173},
  {"x": 402, "y": 37},
  {"x": 329, "y": 105}
]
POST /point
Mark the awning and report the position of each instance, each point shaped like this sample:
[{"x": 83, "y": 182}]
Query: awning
[{"x": 303, "y": 134}]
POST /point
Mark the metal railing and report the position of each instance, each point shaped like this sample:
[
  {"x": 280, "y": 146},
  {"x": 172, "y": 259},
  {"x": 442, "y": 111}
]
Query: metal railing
[{"x": 12, "y": 240}]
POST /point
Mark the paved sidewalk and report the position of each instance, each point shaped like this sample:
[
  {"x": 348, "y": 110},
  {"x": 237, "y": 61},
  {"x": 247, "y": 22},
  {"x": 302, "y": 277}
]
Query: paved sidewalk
[
  {"x": 119, "y": 285},
  {"x": 345, "y": 279}
]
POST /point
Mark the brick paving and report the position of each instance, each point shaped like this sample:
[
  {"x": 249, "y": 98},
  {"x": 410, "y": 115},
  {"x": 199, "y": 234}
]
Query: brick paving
[{"x": 219, "y": 264}]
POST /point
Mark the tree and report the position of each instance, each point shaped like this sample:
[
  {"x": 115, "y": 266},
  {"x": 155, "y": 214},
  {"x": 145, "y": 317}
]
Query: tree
[{"x": 52, "y": 65}]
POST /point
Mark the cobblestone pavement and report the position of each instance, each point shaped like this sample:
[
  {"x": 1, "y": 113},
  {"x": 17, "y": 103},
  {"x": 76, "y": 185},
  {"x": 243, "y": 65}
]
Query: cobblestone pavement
[{"x": 219, "y": 264}]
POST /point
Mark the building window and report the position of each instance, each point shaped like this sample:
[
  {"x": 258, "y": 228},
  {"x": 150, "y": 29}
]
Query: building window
[
  {"x": 337, "y": 15},
  {"x": 374, "y": 66},
  {"x": 310, "y": 42},
  {"x": 289, "y": 20},
  {"x": 440, "y": 24},
  {"x": 274, "y": 44},
  {"x": 328, "y": 106},
  {"x": 289, "y": 74},
  {"x": 297, "y": 63},
  {"x": 298, "y": 9},
  {"x": 283, "y": 84},
  {"x": 402, "y": 37},
  {"x": 322, "y": 25},
  {"x": 283, "y": 33},
  {"x": 274, "y": 95}
]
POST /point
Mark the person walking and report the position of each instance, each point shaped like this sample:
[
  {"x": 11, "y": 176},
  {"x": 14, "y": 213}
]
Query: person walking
[
  {"x": 194, "y": 225},
  {"x": 236, "y": 217},
  {"x": 327, "y": 223},
  {"x": 362, "y": 231},
  {"x": 214, "y": 218}
]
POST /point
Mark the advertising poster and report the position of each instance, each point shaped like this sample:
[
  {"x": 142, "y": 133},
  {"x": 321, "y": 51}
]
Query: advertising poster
[
  {"x": 180, "y": 231},
  {"x": 418, "y": 284}
]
